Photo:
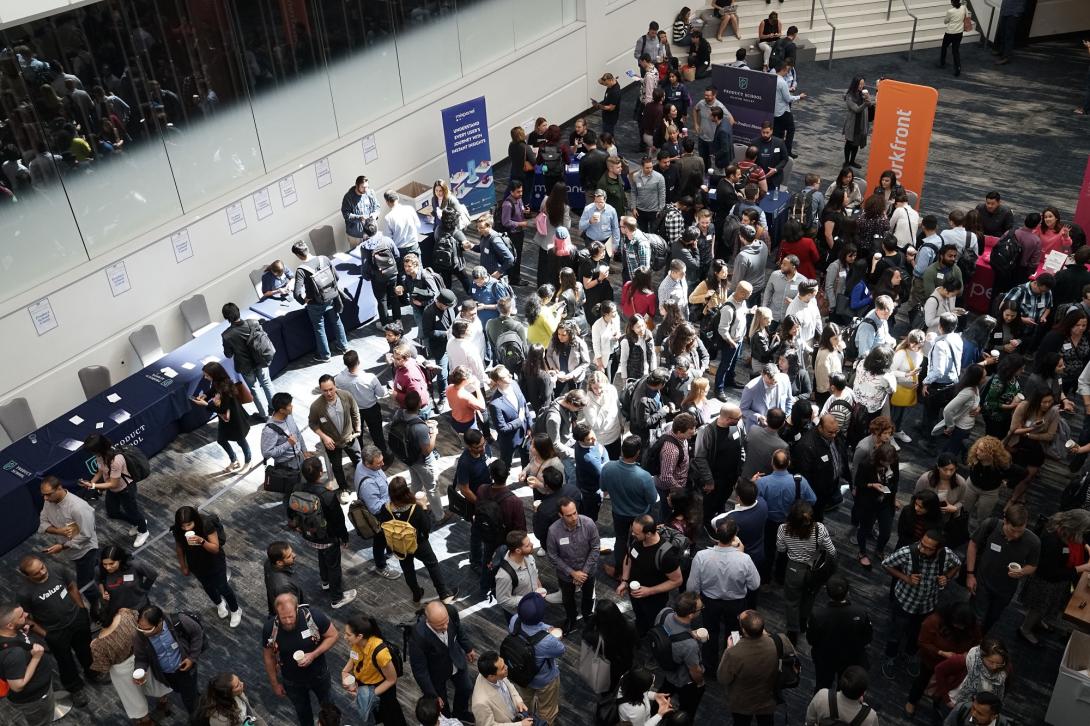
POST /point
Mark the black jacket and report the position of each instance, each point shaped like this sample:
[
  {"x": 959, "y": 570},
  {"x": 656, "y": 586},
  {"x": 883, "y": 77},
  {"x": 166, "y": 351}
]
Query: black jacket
[
  {"x": 771, "y": 154},
  {"x": 591, "y": 168},
  {"x": 839, "y": 634},
  {"x": 720, "y": 466},
  {"x": 278, "y": 582},
  {"x": 434, "y": 662},
  {"x": 185, "y": 630},
  {"x": 436, "y": 328},
  {"x": 236, "y": 345},
  {"x": 807, "y": 453}
]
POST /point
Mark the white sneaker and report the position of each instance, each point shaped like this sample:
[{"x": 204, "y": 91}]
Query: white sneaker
[
  {"x": 345, "y": 497},
  {"x": 236, "y": 618},
  {"x": 133, "y": 531},
  {"x": 902, "y": 437},
  {"x": 389, "y": 573},
  {"x": 221, "y": 608},
  {"x": 141, "y": 538},
  {"x": 349, "y": 596}
]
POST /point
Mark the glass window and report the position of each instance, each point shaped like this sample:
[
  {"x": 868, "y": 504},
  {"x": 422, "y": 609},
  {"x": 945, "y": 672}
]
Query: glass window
[
  {"x": 546, "y": 18},
  {"x": 486, "y": 30},
  {"x": 427, "y": 45}
]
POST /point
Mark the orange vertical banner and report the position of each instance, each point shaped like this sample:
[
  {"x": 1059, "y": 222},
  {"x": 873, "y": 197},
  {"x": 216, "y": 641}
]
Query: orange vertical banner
[{"x": 901, "y": 135}]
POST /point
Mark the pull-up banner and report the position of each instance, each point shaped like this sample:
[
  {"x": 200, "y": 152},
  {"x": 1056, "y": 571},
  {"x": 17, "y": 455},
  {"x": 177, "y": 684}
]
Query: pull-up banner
[
  {"x": 465, "y": 132},
  {"x": 749, "y": 95},
  {"x": 901, "y": 135}
]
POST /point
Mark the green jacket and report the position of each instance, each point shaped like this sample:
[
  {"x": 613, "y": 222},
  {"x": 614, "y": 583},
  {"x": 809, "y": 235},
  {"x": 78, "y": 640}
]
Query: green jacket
[{"x": 615, "y": 196}]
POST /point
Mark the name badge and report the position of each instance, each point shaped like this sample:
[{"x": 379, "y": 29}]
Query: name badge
[
  {"x": 635, "y": 554},
  {"x": 1066, "y": 551},
  {"x": 798, "y": 436},
  {"x": 996, "y": 547},
  {"x": 939, "y": 276},
  {"x": 323, "y": 419},
  {"x": 64, "y": 593},
  {"x": 304, "y": 633},
  {"x": 997, "y": 336},
  {"x": 793, "y": 288},
  {"x": 843, "y": 274},
  {"x": 776, "y": 150},
  {"x": 825, "y": 458},
  {"x": 1067, "y": 346},
  {"x": 355, "y": 655},
  {"x": 174, "y": 645},
  {"x": 128, "y": 578},
  {"x": 735, "y": 435},
  {"x": 563, "y": 540}
]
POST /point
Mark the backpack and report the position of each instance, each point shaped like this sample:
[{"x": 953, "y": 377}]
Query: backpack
[
  {"x": 652, "y": 458},
  {"x": 833, "y": 719},
  {"x": 842, "y": 411},
  {"x": 788, "y": 669},
  {"x": 308, "y": 621},
  {"x": 802, "y": 209},
  {"x": 662, "y": 643},
  {"x": 136, "y": 462},
  {"x": 196, "y": 618},
  {"x": 397, "y": 658},
  {"x": 260, "y": 346},
  {"x": 323, "y": 280},
  {"x": 550, "y": 158},
  {"x": 1074, "y": 494},
  {"x": 1007, "y": 253},
  {"x": 627, "y": 396},
  {"x": 217, "y": 525},
  {"x": 489, "y": 518},
  {"x": 674, "y": 540},
  {"x": 660, "y": 252},
  {"x": 497, "y": 563},
  {"x": 851, "y": 347},
  {"x": 384, "y": 262},
  {"x": 517, "y": 651},
  {"x": 968, "y": 257},
  {"x": 306, "y": 515},
  {"x": 401, "y": 440},
  {"x": 709, "y": 330},
  {"x": 511, "y": 350},
  {"x": 659, "y": 225},
  {"x": 444, "y": 256},
  {"x": 400, "y": 535},
  {"x": 777, "y": 55},
  {"x": 562, "y": 246},
  {"x": 914, "y": 554}
]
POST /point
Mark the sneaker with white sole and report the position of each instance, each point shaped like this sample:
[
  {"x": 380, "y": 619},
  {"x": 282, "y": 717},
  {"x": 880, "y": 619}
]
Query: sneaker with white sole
[
  {"x": 325, "y": 585},
  {"x": 347, "y": 597},
  {"x": 345, "y": 497},
  {"x": 221, "y": 609},
  {"x": 141, "y": 538},
  {"x": 133, "y": 531},
  {"x": 902, "y": 437},
  {"x": 236, "y": 618},
  {"x": 388, "y": 573}
]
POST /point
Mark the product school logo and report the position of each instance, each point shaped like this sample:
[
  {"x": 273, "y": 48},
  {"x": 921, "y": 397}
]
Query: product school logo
[
  {"x": 91, "y": 464},
  {"x": 743, "y": 83}
]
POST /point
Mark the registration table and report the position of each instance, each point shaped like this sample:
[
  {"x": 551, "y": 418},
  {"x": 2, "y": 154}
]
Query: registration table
[{"x": 1078, "y": 607}]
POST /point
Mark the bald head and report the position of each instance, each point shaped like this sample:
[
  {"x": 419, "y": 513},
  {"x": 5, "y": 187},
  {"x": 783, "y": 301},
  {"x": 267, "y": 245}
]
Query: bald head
[
  {"x": 729, "y": 414},
  {"x": 437, "y": 617},
  {"x": 828, "y": 426}
]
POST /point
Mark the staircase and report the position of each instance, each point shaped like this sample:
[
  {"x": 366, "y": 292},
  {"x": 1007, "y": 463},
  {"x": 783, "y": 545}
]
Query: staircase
[{"x": 861, "y": 26}]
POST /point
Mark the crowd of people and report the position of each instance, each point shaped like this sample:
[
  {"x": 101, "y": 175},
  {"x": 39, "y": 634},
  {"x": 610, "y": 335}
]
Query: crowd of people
[{"x": 618, "y": 388}]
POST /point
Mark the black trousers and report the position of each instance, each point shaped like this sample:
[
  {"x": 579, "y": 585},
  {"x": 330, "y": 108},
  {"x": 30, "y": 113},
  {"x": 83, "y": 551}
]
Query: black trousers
[
  {"x": 622, "y": 526},
  {"x": 408, "y": 568},
  {"x": 720, "y": 618},
  {"x": 517, "y": 237},
  {"x": 329, "y": 570},
  {"x": 70, "y": 644},
  {"x": 586, "y": 596},
  {"x": 336, "y": 462},
  {"x": 646, "y": 608},
  {"x": 784, "y": 127},
  {"x": 688, "y": 696},
  {"x": 86, "y": 570},
  {"x": 372, "y": 417},
  {"x": 185, "y": 683},
  {"x": 952, "y": 41},
  {"x": 389, "y": 305},
  {"x": 461, "y": 275}
]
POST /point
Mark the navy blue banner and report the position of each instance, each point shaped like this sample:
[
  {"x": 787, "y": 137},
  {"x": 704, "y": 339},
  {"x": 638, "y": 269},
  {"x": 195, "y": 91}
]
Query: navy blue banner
[
  {"x": 749, "y": 95},
  {"x": 469, "y": 161}
]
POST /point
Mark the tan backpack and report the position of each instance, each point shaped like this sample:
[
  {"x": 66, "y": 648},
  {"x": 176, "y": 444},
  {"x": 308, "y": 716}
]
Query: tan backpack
[{"x": 400, "y": 535}]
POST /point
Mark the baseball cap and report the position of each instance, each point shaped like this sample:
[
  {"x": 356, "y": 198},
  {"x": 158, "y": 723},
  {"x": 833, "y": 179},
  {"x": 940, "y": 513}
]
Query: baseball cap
[{"x": 447, "y": 297}]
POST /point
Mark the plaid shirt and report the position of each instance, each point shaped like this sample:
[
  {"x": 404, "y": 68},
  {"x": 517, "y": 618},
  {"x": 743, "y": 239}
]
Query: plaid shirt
[
  {"x": 674, "y": 223},
  {"x": 919, "y": 599},
  {"x": 637, "y": 251},
  {"x": 1030, "y": 305}
]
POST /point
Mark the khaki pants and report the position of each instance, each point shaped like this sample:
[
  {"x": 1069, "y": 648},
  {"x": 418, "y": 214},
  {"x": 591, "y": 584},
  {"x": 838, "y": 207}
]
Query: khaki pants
[{"x": 543, "y": 702}]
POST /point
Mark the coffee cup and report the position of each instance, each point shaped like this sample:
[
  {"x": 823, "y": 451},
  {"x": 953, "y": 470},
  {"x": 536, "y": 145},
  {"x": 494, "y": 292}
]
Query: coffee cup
[
  {"x": 556, "y": 632},
  {"x": 1014, "y": 567},
  {"x": 634, "y": 586},
  {"x": 421, "y": 498},
  {"x": 701, "y": 634},
  {"x": 139, "y": 674},
  {"x": 877, "y": 255},
  {"x": 348, "y": 681},
  {"x": 994, "y": 353},
  {"x": 596, "y": 217},
  {"x": 190, "y": 537},
  {"x": 541, "y": 591},
  {"x": 298, "y": 655}
]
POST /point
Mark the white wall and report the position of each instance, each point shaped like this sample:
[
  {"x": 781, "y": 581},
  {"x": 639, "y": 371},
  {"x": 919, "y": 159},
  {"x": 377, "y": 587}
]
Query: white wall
[
  {"x": 1054, "y": 17},
  {"x": 554, "y": 77}
]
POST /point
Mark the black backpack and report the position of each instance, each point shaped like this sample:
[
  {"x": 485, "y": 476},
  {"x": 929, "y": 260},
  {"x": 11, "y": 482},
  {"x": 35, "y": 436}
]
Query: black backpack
[
  {"x": 662, "y": 643},
  {"x": 1007, "y": 253},
  {"x": 307, "y": 514},
  {"x": 322, "y": 280},
  {"x": 851, "y": 347},
  {"x": 652, "y": 458},
  {"x": 444, "y": 256},
  {"x": 384, "y": 262},
  {"x": 660, "y": 251},
  {"x": 400, "y": 438},
  {"x": 550, "y": 158},
  {"x": 489, "y": 518},
  {"x": 136, "y": 461},
  {"x": 802, "y": 209},
  {"x": 777, "y": 55},
  {"x": 833, "y": 719},
  {"x": 788, "y": 668},
  {"x": 396, "y": 657},
  {"x": 517, "y": 651},
  {"x": 968, "y": 257},
  {"x": 260, "y": 345},
  {"x": 511, "y": 350},
  {"x": 494, "y": 565}
]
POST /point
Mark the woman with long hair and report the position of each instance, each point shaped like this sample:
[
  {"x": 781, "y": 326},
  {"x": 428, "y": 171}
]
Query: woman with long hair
[
  {"x": 603, "y": 414},
  {"x": 890, "y": 283},
  {"x": 712, "y": 291},
  {"x": 567, "y": 356},
  {"x": 1054, "y": 234},
  {"x": 224, "y": 703},
  {"x": 907, "y": 359},
  {"x": 113, "y": 477},
  {"x": 638, "y": 356},
  {"x": 760, "y": 339},
  {"x": 836, "y": 279},
  {"x": 1068, "y": 337},
  {"x": 875, "y": 491},
  {"x": 833, "y": 220},
  {"x": 800, "y": 538},
  {"x": 887, "y": 188},
  {"x": 846, "y": 183},
  {"x": 990, "y": 467},
  {"x": 793, "y": 241},
  {"x": 685, "y": 341},
  {"x": 789, "y": 352},
  {"x": 199, "y": 548},
  {"x": 948, "y": 486},
  {"x": 954, "y": 22},
  {"x": 1002, "y": 394},
  {"x": 122, "y": 581},
  {"x": 697, "y": 403},
  {"x": 873, "y": 223},
  {"x": 638, "y": 296},
  {"x": 1048, "y": 374},
  {"x": 538, "y": 385},
  {"x": 465, "y": 398},
  {"x": 618, "y": 639},
  {"x": 828, "y": 360},
  {"x": 673, "y": 316},
  {"x": 554, "y": 213},
  {"x": 922, "y": 514},
  {"x": 542, "y": 455},
  {"x": 1064, "y": 556},
  {"x": 1033, "y": 425},
  {"x": 369, "y": 675},
  {"x": 637, "y": 704},
  {"x": 857, "y": 125},
  {"x": 799, "y": 421},
  {"x": 1009, "y": 330},
  {"x": 950, "y": 630},
  {"x": 874, "y": 382},
  {"x": 221, "y": 399},
  {"x": 522, "y": 158},
  {"x": 986, "y": 669},
  {"x": 542, "y": 315},
  {"x": 959, "y": 416},
  {"x": 403, "y": 507},
  {"x": 976, "y": 341},
  {"x": 681, "y": 31},
  {"x": 570, "y": 293}
]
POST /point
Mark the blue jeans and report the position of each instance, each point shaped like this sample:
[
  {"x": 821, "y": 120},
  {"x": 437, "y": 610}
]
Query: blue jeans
[
  {"x": 366, "y": 703},
  {"x": 222, "y": 440},
  {"x": 955, "y": 443},
  {"x": 728, "y": 359},
  {"x": 260, "y": 376},
  {"x": 322, "y": 315}
]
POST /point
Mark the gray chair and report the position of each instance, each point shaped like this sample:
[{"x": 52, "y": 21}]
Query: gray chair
[
  {"x": 322, "y": 241},
  {"x": 913, "y": 198},
  {"x": 16, "y": 418},
  {"x": 740, "y": 152},
  {"x": 862, "y": 184},
  {"x": 145, "y": 342},
  {"x": 94, "y": 379},
  {"x": 5, "y": 440},
  {"x": 195, "y": 313},
  {"x": 255, "y": 280}
]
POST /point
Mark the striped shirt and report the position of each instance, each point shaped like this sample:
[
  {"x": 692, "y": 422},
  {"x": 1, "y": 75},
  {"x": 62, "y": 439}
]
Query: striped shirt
[{"x": 804, "y": 550}]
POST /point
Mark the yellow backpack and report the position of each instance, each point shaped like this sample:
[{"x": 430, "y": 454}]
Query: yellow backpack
[{"x": 400, "y": 535}]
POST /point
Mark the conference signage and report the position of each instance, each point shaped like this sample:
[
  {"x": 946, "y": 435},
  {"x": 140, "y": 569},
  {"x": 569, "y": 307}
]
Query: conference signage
[
  {"x": 465, "y": 133},
  {"x": 901, "y": 134},
  {"x": 1082, "y": 207},
  {"x": 749, "y": 95}
]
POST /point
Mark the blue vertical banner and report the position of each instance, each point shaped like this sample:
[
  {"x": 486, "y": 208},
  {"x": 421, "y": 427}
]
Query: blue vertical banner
[
  {"x": 749, "y": 95},
  {"x": 465, "y": 132}
]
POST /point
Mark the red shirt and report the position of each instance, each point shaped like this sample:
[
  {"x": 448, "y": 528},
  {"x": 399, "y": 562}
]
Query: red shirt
[
  {"x": 410, "y": 377},
  {"x": 806, "y": 251},
  {"x": 634, "y": 301}
]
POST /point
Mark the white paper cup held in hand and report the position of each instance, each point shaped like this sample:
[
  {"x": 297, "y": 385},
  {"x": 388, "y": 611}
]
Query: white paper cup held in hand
[
  {"x": 1014, "y": 567},
  {"x": 139, "y": 674},
  {"x": 701, "y": 634},
  {"x": 634, "y": 586},
  {"x": 348, "y": 681},
  {"x": 190, "y": 537},
  {"x": 298, "y": 655}
]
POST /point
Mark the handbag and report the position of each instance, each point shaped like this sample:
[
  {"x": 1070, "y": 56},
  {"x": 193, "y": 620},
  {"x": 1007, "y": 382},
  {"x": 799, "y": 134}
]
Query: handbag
[
  {"x": 967, "y": 22},
  {"x": 821, "y": 569},
  {"x": 280, "y": 479},
  {"x": 905, "y": 396},
  {"x": 365, "y": 523},
  {"x": 593, "y": 667},
  {"x": 243, "y": 392}
]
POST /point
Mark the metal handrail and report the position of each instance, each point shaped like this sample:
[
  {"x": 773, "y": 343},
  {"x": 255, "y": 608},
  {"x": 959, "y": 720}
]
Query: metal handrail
[
  {"x": 915, "y": 22},
  {"x": 832, "y": 38}
]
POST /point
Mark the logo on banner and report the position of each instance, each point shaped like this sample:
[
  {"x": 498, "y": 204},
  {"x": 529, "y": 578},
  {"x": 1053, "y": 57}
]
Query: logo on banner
[
  {"x": 743, "y": 83},
  {"x": 91, "y": 464},
  {"x": 901, "y": 134}
]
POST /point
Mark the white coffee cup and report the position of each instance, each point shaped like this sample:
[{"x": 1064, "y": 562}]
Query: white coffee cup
[
  {"x": 541, "y": 591},
  {"x": 994, "y": 353},
  {"x": 634, "y": 586},
  {"x": 701, "y": 634},
  {"x": 298, "y": 655},
  {"x": 421, "y": 497},
  {"x": 1014, "y": 567},
  {"x": 348, "y": 681},
  {"x": 877, "y": 255},
  {"x": 139, "y": 674},
  {"x": 190, "y": 536}
]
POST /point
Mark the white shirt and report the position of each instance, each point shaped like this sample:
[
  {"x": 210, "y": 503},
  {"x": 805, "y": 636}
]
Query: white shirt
[
  {"x": 603, "y": 337},
  {"x": 403, "y": 226},
  {"x": 464, "y": 352},
  {"x": 903, "y": 224},
  {"x": 363, "y": 385},
  {"x": 809, "y": 317}
]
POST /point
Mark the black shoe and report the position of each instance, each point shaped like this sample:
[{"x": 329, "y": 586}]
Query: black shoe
[
  {"x": 721, "y": 394},
  {"x": 79, "y": 698},
  {"x": 568, "y": 627},
  {"x": 855, "y": 165},
  {"x": 957, "y": 72},
  {"x": 793, "y": 155}
]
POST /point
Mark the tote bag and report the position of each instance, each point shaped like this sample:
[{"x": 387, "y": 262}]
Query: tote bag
[
  {"x": 904, "y": 395},
  {"x": 593, "y": 667}
]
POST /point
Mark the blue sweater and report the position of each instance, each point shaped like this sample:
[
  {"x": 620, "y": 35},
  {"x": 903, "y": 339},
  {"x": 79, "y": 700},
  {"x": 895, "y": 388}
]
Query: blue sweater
[
  {"x": 630, "y": 488},
  {"x": 589, "y": 461}
]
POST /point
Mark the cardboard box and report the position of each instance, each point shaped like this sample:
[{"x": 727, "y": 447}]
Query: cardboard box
[{"x": 416, "y": 195}]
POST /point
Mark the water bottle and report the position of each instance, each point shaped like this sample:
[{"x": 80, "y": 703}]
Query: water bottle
[{"x": 775, "y": 194}]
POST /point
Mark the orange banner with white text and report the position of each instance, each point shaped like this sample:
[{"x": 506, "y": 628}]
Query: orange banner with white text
[{"x": 901, "y": 134}]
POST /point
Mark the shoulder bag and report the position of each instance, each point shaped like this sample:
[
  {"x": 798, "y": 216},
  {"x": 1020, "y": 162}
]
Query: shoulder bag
[{"x": 593, "y": 666}]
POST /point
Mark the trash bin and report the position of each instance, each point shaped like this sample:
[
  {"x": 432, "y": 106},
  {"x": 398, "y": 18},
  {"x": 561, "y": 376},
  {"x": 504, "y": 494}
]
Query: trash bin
[{"x": 1070, "y": 704}]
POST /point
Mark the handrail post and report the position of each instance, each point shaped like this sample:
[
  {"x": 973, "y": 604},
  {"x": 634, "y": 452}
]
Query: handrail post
[
  {"x": 813, "y": 4},
  {"x": 912, "y": 41},
  {"x": 991, "y": 19},
  {"x": 889, "y": 9},
  {"x": 832, "y": 43}
]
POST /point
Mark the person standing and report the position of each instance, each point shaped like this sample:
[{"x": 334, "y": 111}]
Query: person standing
[
  {"x": 316, "y": 288},
  {"x": 954, "y": 31},
  {"x": 821, "y": 452},
  {"x": 781, "y": 490},
  {"x": 783, "y": 123},
  {"x": 372, "y": 488},
  {"x": 542, "y": 693},
  {"x": 405, "y": 514},
  {"x": 435, "y": 331},
  {"x": 632, "y": 494},
  {"x": 572, "y": 545},
  {"x": 225, "y": 703},
  {"x": 705, "y": 127},
  {"x": 58, "y": 614},
  {"x": 838, "y": 634},
  {"x": 281, "y": 439},
  {"x": 1001, "y": 552},
  {"x": 516, "y": 573},
  {"x": 610, "y": 105},
  {"x": 800, "y": 540},
  {"x": 402, "y": 226},
  {"x": 298, "y": 628},
  {"x": 509, "y": 414},
  {"x": 71, "y": 519},
  {"x": 167, "y": 648},
  {"x": 335, "y": 417},
  {"x": 366, "y": 389},
  {"x": 114, "y": 477},
  {"x": 749, "y": 670},
  {"x": 843, "y": 704},
  {"x": 198, "y": 543},
  {"x": 122, "y": 582},
  {"x": 686, "y": 678},
  {"x": 27, "y": 667},
  {"x": 359, "y": 206},
  {"x": 495, "y": 700},
  {"x": 247, "y": 344},
  {"x": 409, "y": 428},
  {"x": 857, "y": 124},
  {"x": 1010, "y": 17},
  {"x": 648, "y": 195},
  {"x": 725, "y": 577},
  {"x": 654, "y": 565},
  {"x": 279, "y": 571},
  {"x": 323, "y": 530},
  {"x": 440, "y": 655}
]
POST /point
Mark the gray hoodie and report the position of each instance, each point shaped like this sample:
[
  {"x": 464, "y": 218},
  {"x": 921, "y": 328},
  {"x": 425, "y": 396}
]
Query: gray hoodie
[{"x": 749, "y": 265}]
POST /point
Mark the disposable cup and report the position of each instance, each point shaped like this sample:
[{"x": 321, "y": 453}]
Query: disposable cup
[
  {"x": 190, "y": 536},
  {"x": 298, "y": 655},
  {"x": 701, "y": 634},
  {"x": 1014, "y": 567},
  {"x": 348, "y": 681},
  {"x": 138, "y": 674},
  {"x": 634, "y": 586}
]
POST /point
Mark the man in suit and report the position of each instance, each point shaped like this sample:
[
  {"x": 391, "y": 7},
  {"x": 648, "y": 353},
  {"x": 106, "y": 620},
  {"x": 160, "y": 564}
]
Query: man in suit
[
  {"x": 839, "y": 634},
  {"x": 335, "y": 417},
  {"x": 439, "y": 652},
  {"x": 496, "y": 701},
  {"x": 507, "y": 409},
  {"x": 762, "y": 442},
  {"x": 820, "y": 452}
]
